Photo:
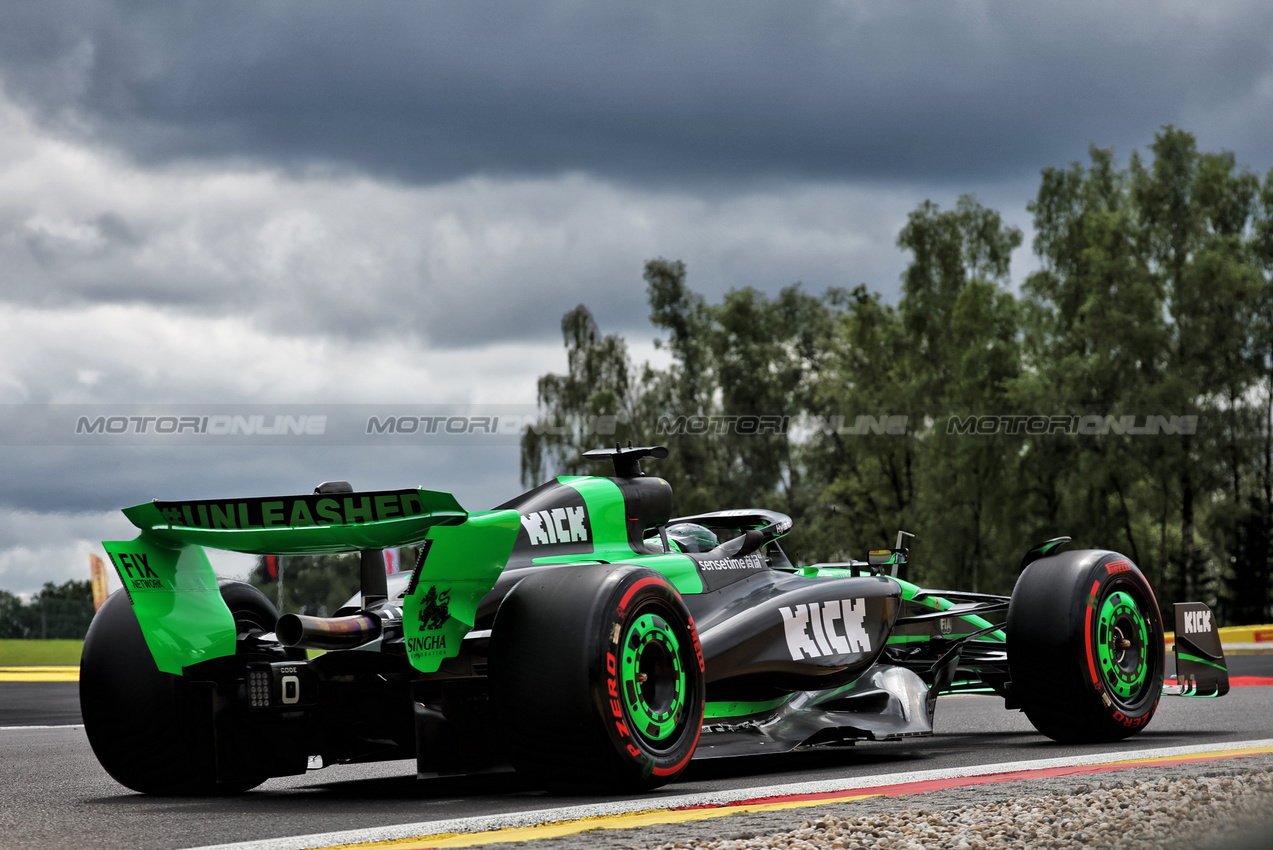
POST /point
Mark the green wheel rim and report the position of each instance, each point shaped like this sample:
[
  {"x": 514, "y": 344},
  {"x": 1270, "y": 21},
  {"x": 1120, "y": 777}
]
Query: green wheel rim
[
  {"x": 1122, "y": 640},
  {"x": 654, "y": 681}
]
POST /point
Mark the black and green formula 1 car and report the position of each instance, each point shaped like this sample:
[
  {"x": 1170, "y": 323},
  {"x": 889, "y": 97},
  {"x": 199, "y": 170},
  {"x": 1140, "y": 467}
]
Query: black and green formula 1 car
[{"x": 582, "y": 635}]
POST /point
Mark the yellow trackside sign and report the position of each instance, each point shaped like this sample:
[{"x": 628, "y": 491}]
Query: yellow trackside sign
[{"x": 98, "y": 569}]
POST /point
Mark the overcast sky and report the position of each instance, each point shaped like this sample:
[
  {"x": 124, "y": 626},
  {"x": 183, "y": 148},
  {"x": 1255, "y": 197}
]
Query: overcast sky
[{"x": 276, "y": 203}]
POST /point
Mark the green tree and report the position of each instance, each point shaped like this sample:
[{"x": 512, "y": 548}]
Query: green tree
[
  {"x": 767, "y": 354},
  {"x": 687, "y": 388},
  {"x": 863, "y": 481},
  {"x": 1194, "y": 212},
  {"x": 749, "y": 362},
  {"x": 1094, "y": 343},
  {"x": 1144, "y": 307},
  {"x": 1250, "y": 589},
  {"x": 746, "y": 363},
  {"x": 61, "y": 611},
  {"x": 15, "y": 617},
  {"x": 593, "y": 403},
  {"x": 961, "y": 359}
]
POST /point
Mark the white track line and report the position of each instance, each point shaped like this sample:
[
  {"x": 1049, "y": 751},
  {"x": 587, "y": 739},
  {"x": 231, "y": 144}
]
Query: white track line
[
  {"x": 69, "y": 726},
  {"x": 734, "y": 795}
]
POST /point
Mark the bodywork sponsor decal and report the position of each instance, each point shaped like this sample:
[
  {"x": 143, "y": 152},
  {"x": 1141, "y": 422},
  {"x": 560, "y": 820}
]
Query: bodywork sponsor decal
[
  {"x": 432, "y": 616},
  {"x": 754, "y": 561},
  {"x": 1197, "y": 622},
  {"x": 294, "y": 511},
  {"x": 811, "y": 629},
  {"x": 136, "y": 567},
  {"x": 433, "y": 609},
  {"x": 718, "y": 572},
  {"x": 557, "y": 525}
]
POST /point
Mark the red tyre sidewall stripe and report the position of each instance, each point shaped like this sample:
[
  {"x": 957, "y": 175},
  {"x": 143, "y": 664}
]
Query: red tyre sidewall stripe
[
  {"x": 665, "y": 771},
  {"x": 1087, "y": 635},
  {"x": 645, "y": 582}
]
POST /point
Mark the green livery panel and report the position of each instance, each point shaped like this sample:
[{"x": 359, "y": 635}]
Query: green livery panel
[
  {"x": 176, "y": 599},
  {"x": 460, "y": 566},
  {"x": 609, "y": 541}
]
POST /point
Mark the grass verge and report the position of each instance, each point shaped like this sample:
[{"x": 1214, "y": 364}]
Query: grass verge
[{"x": 40, "y": 651}]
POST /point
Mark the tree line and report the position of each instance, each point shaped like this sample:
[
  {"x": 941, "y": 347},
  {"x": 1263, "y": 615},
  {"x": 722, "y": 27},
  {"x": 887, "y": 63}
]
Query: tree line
[
  {"x": 1123, "y": 396},
  {"x": 57, "y": 612}
]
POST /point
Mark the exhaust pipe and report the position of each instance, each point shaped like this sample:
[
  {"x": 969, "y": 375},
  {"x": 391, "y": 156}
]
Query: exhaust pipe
[
  {"x": 327, "y": 632},
  {"x": 356, "y": 629}
]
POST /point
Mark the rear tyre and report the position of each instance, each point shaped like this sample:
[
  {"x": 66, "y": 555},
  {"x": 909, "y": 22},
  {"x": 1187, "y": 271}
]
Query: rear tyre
[
  {"x": 1085, "y": 647},
  {"x": 148, "y": 728},
  {"x": 597, "y": 678}
]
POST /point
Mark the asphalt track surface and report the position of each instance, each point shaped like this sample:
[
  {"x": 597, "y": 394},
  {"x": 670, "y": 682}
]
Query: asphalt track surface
[{"x": 56, "y": 795}]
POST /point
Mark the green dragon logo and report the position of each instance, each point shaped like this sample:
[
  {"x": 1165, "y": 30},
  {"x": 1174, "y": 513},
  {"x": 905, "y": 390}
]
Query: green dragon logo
[{"x": 434, "y": 609}]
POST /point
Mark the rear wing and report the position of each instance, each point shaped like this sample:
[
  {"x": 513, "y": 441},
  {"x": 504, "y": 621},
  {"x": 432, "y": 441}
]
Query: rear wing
[
  {"x": 174, "y": 590},
  {"x": 301, "y": 525}
]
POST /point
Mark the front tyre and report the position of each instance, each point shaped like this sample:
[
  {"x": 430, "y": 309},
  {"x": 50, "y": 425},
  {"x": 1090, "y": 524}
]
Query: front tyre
[
  {"x": 597, "y": 678},
  {"x": 1085, "y": 647}
]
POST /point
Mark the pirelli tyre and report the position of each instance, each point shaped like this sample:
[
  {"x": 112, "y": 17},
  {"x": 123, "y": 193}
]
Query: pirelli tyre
[
  {"x": 148, "y": 728},
  {"x": 1085, "y": 647},
  {"x": 597, "y": 678}
]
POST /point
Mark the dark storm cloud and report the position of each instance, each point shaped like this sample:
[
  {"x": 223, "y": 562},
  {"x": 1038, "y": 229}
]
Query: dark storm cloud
[
  {"x": 51, "y": 518},
  {"x": 642, "y": 91},
  {"x": 109, "y": 479}
]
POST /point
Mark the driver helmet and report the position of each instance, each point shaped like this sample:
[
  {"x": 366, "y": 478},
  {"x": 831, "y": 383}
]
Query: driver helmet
[{"x": 692, "y": 537}]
